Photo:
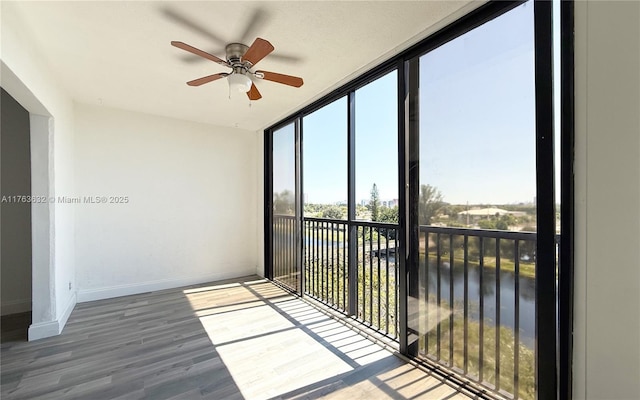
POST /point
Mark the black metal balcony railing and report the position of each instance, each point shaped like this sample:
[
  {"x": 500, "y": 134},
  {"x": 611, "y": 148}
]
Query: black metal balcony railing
[
  {"x": 479, "y": 287},
  {"x": 326, "y": 261},
  {"x": 326, "y": 267},
  {"x": 476, "y": 300},
  {"x": 284, "y": 251}
]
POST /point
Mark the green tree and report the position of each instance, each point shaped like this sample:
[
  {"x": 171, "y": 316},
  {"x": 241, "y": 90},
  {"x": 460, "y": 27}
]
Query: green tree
[
  {"x": 502, "y": 224},
  {"x": 333, "y": 212},
  {"x": 361, "y": 212},
  {"x": 283, "y": 202},
  {"x": 388, "y": 214},
  {"x": 430, "y": 204},
  {"x": 488, "y": 223},
  {"x": 374, "y": 203}
]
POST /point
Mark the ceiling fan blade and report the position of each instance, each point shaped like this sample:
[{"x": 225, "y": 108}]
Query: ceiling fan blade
[
  {"x": 254, "y": 93},
  {"x": 199, "y": 52},
  {"x": 255, "y": 23},
  {"x": 288, "y": 58},
  {"x": 207, "y": 79},
  {"x": 181, "y": 19},
  {"x": 281, "y": 78},
  {"x": 192, "y": 58},
  {"x": 258, "y": 50}
]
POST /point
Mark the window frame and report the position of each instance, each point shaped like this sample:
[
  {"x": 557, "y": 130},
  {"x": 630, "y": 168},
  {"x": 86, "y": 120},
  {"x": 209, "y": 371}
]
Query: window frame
[{"x": 553, "y": 365}]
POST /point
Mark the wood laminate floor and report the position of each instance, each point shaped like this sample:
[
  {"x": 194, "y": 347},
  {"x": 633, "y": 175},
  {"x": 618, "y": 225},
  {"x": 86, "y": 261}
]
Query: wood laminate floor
[{"x": 240, "y": 339}]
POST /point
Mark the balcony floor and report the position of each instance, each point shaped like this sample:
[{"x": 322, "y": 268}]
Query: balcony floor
[{"x": 238, "y": 339}]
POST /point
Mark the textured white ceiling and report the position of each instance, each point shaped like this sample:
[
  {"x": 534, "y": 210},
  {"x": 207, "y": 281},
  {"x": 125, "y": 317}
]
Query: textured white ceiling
[{"x": 118, "y": 53}]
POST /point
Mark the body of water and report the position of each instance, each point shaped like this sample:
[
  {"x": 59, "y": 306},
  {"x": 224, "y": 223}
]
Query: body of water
[{"x": 488, "y": 291}]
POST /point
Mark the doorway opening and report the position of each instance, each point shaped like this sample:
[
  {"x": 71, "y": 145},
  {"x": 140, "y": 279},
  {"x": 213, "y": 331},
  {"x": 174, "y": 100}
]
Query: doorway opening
[{"x": 16, "y": 271}]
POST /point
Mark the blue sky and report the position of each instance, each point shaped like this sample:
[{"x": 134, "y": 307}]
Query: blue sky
[
  {"x": 477, "y": 125},
  {"x": 477, "y": 113}
]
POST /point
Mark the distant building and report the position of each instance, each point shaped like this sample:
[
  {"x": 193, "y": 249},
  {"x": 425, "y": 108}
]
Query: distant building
[{"x": 483, "y": 213}]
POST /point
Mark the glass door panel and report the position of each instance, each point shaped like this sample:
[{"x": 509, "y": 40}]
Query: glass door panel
[
  {"x": 476, "y": 204},
  {"x": 285, "y": 219},
  {"x": 325, "y": 227}
]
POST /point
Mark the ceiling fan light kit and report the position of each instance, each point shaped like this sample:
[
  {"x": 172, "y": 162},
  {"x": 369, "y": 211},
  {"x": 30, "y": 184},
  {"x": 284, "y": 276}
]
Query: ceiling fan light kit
[
  {"x": 241, "y": 59},
  {"x": 239, "y": 83}
]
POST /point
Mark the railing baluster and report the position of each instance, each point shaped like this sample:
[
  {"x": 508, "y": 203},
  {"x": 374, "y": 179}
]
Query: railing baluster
[
  {"x": 364, "y": 291},
  {"x": 386, "y": 308},
  {"x": 290, "y": 252},
  {"x": 466, "y": 304},
  {"x": 481, "y": 295},
  {"x": 426, "y": 290},
  {"x": 333, "y": 298},
  {"x": 327, "y": 264},
  {"x": 274, "y": 247},
  {"x": 307, "y": 241},
  {"x": 438, "y": 295},
  {"x": 284, "y": 246},
  {"x": 309, "y": 251},
  {"x": 497, "y": 314},
  {"x": 370, "y": 280},
  {"x": 285, "y": 252},
  {"x": 323, "y": 264},
  {"x": 318, "y": 261},
  {"x": 344, "y": 268},
  {"x": 396, "y": 292},
  {"x": 451, "y": 303},
  {"x": 516, "y": 319},
  {"x": 288, "y": 249},
  {"x": 282, "y": 234},
  {"x": 305, "y": 264},
  {"x": 336, "y": 245},
  {"x": 308, "y": 254},
  {"x": 379, "y": 282}
]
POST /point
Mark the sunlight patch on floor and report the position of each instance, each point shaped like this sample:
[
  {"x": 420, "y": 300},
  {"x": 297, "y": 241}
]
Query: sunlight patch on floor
[{"x": 268, "y": 366}]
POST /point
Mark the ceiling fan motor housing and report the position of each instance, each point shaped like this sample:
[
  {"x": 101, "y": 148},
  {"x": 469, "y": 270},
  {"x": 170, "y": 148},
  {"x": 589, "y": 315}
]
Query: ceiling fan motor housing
[{"x": 235, "y": 51}]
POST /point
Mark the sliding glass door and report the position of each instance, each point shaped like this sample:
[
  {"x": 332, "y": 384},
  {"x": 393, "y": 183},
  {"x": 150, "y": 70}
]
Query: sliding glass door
[
  {"x": 477, "y": 204},
  {"x": 420, "y": 201},
  {"x": 482, "y": 256},
  {"x": 285, "y": 232}
]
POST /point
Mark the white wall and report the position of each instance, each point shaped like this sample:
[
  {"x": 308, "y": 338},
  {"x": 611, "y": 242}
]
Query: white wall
[
  {"x": 192, "y": 200},
  {"x": 26, "y": 77},
  {"x": 607, "y": 248}
]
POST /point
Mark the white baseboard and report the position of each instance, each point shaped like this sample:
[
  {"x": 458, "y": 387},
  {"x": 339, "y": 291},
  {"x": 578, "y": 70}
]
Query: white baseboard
[
  {"x": 67, "y": 311},
  {"x": 150, "y": 286},
  {"x": 15, "y": 306},
  {"x": 47, "y": 329},
  {"x": 43, "y": 330}
]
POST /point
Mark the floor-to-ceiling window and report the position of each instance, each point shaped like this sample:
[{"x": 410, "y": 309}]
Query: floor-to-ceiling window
[
  {"x": 424, "y": 201},
  {"x": 375, "y": 126},
  {"x": 325, "y": 231},
  {"x": 477, "y": 203},
  {"x": 285, "y": 231},
  {"x": 349, "y": 165}
]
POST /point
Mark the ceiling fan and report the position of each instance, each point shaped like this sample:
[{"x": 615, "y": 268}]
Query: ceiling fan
[{"x": 241, "y": 59}]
